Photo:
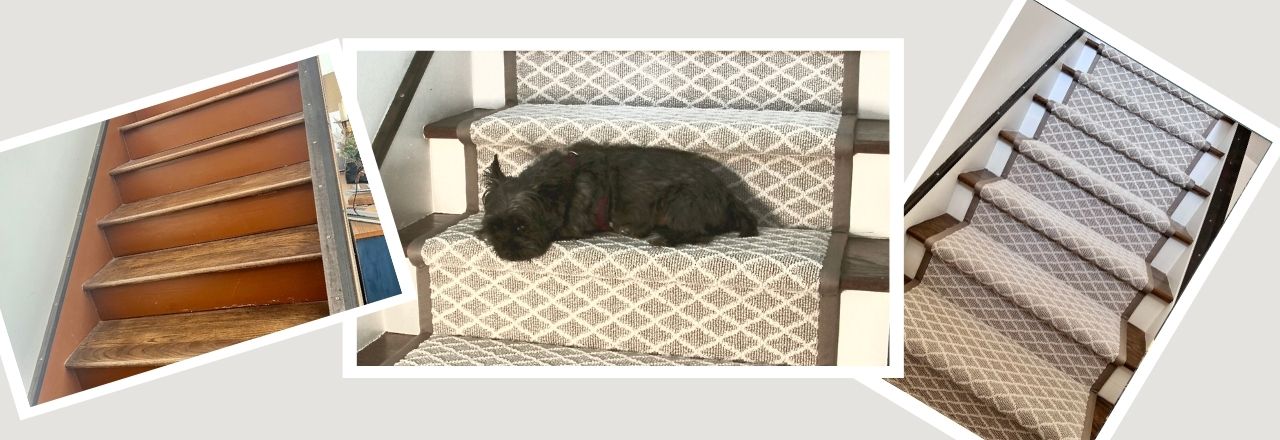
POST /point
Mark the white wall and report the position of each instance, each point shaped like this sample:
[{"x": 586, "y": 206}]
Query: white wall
[
  {"x": 873, "y": 85},
  {"x": 43, "y": 184},
  {"x": 407, "y": 172},
  {"x": 1034, "y": 36}
]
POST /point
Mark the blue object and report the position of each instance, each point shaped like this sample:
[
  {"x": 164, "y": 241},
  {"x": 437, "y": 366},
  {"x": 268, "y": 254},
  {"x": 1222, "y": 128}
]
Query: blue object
[{"x": 377, "y": 275}]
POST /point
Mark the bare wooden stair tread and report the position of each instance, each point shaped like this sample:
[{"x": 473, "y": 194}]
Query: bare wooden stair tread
[
  {"x": 161, "y": 340},
  {"x": 239, "y": 187},
  {"x": 209, "y": 144},
  {"x": 269, "y": 248},
  {"x": 212, "y": 99}
]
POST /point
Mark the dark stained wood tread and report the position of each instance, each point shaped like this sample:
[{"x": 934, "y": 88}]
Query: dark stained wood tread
[
  {"x": 866, "y": 264},
  {"x": 154, "y": 341},
  {"x": 975, "y": 179},
  {"x": 253, "y": 184},
  {"x": 388, "y": 349},
  {"x": 209, "y": 144},
  {"x": 871, "y": 136},
  {"x": 447, "y": 128},
  {"x": 212, "y": 99},
  {"x": 932, "y": 227},
  {"x": 300, "y": 243}
]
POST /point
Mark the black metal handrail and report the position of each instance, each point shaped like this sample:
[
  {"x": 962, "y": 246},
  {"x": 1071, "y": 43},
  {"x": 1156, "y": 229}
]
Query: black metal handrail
[{"x": 987, "y": 125}]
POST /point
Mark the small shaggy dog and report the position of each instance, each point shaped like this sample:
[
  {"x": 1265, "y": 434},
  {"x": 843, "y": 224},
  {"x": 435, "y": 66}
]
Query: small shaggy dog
[{"x": 584, "y": 189}]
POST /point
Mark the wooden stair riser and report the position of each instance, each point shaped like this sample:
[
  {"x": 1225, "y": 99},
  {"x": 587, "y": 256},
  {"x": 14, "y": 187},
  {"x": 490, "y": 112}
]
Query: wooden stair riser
[
  {"x": 275, "y": 210},
  {"x": 93, "y": 377},
  {"x": 274, "y": 100},
  {"x": 193, "y": 98},
  {"x": 276, "y": 284},
  {"x": 269, "y": 151}
]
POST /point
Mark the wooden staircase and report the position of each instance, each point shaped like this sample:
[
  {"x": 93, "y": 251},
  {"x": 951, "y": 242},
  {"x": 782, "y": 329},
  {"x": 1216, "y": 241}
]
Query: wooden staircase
[{"x": 216, "y": 239}]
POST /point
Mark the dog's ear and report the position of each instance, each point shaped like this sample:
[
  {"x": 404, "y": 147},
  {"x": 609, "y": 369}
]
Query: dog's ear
[{"x": 493, "y": 174}]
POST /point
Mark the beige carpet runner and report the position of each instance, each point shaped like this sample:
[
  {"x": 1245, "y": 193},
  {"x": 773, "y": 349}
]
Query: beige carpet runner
[{"x": 1022, "y": 305}]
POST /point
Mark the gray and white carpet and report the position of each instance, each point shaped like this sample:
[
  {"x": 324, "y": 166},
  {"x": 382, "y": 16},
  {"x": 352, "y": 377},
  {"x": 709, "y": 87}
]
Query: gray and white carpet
[
  {"x": 1022, "y": 306},
  {"x": 769, "y": 117}
]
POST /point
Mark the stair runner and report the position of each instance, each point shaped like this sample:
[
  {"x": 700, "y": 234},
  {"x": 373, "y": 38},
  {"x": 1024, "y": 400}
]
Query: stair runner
[
  {"x": 770, "y": 117},
  {"x": 1020, "y": 310}
]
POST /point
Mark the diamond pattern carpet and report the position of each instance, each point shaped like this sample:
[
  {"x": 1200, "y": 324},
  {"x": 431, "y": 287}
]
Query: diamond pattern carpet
[
  {"x": 769, "y": 118},
  {"x": 1021, "y": 307}
]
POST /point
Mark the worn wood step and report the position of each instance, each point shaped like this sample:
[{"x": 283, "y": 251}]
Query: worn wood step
[
  {"x": 139, "y": 344},
  {"x": 266, "y": 201},
  {"x": 242, "y": 107},
  {"x": 269, "y": 268},
  {"x": 205, "y": 94},
  {"x": 258, "y": 148}
]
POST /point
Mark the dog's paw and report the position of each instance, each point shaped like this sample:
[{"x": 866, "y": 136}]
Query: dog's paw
[{"x": 660, "y": 241}]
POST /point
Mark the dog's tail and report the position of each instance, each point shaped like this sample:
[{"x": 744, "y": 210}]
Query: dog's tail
[{"x": 743, "y": 220}]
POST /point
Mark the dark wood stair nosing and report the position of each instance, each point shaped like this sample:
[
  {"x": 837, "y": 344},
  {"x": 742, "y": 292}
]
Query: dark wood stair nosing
[
  {"x": 212, "y": 99},
  {"x": 940, "y": 225},
  {"x": 447, "y": 128},
  {"x": 212, "y": 143}
]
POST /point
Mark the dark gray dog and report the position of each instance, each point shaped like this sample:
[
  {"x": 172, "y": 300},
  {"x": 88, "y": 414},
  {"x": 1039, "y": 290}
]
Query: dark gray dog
[{"x": 575, "y": 192}]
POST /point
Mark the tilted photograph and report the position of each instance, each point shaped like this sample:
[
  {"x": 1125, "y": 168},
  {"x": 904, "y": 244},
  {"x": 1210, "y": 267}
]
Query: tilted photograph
[
  {"x": 637, "y": 207},
  {"x": 187, "y": 226},
  {"x": 1057, "y": 226}
]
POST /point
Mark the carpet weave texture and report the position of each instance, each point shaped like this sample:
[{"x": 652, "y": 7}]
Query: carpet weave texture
[
  {"x": 771, "y": 119},
  {"x": 1020, "y": 308}
]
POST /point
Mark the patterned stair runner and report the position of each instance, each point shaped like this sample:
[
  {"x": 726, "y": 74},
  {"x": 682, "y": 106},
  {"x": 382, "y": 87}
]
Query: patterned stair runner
[
  {"x": 1020, "y": 308},
  {"x": 771, "y": 118},
  {"x": 465, "y": 351}
]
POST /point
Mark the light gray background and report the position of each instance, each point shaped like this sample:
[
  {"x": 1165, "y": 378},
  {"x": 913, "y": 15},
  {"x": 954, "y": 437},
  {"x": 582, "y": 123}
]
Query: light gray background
[{"x": 64, "y": 61}]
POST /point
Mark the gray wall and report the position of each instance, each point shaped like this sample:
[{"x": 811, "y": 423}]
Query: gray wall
[{"x": 41, "y": 186}]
